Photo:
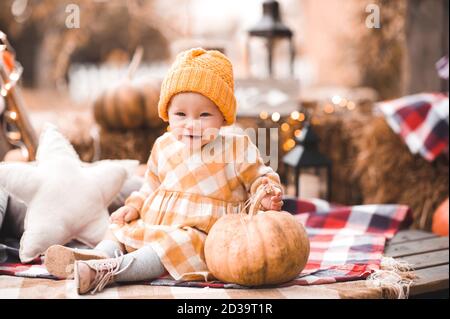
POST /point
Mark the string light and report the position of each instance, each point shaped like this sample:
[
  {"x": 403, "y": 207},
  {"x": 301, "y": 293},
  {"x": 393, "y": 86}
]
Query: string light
[
  {"x": 12, "y": 115},
  {"x": 351, "y": 105},
  {"x": 343, "y": 102},
  {"x": 285, "y": 127},
  {"x": 14, "y": 76},
  {"x": 328, "y": 108},
  {"x": 301, "y": 117},
  {"x": 289, "y": 144},
  {"x": 295, "y": 115},
  {"x": 336, "y": 99},
  {"x": 276, "y": 117},
  {"x": 297, "y": 133},
  {"x": 263, "y": 115},
  {"x": 3, "y": 92}
]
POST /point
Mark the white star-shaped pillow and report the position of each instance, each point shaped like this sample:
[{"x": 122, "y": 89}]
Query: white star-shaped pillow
[{"x": 66, "y": 198}]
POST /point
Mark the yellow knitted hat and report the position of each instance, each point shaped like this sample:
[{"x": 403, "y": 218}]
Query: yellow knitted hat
[{"x": 209, "y": 73}]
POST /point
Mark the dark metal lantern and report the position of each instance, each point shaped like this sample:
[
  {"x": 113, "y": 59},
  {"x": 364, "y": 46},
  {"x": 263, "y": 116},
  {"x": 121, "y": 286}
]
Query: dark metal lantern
[
  {"x": 306, "y": 155},
  {"x": 271, "y": 27}
]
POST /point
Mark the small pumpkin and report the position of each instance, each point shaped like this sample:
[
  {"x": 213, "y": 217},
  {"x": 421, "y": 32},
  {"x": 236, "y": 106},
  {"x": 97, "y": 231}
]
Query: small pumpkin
[
  {"x": 129, "y": 105},
  {"x": 440, "y": 219},
  {"x": 259, "y": 248}
]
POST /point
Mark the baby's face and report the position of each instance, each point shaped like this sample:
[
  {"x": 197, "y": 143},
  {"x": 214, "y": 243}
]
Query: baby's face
[{"x": 194, "y": 119}]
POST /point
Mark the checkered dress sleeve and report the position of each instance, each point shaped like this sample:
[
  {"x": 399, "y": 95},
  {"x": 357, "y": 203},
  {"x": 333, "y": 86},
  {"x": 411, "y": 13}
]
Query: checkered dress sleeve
[
  {"x": 250, "y": 168},
  {"x": 151, "y": 181}
]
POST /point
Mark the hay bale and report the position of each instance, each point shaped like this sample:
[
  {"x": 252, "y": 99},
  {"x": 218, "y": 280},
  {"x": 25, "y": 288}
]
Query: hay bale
[
  {"x": 77, "y": 126},
  {"x": 389, "y": 173},
  {"x": 81, "y": 135},
  {"x": 372, "y": 165},
  {"x": 128, "y": 144},
  {"x": 338, "y": 135}
]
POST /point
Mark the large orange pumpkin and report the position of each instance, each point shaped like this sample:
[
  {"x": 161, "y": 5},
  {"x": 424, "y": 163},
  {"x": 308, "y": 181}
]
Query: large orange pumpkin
[
  {"x": 440, "y": 219},
  {"x": 259, "y": 248},
  {"x": 129, "y": 105}
]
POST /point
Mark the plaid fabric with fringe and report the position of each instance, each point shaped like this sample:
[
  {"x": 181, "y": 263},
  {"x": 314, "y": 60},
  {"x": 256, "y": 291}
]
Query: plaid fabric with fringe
[
  {"x": 347, "y": 243},
  {"x": 421, "y": 120}
]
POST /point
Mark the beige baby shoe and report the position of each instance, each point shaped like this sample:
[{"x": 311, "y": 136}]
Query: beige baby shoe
[
  {"x": 94, "y": 275},
  {"x": 59, "y": 260}
]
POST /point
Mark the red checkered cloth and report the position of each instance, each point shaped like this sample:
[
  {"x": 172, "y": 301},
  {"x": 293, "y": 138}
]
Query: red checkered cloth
[
  {"x": 421, "y": 120},
  {"x": 347, "y": 243}
]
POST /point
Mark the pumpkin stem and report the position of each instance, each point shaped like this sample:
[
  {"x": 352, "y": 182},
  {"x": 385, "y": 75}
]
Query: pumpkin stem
[
  {"x": 135, "y": 61},
  {"x": 259, "y": 195}
]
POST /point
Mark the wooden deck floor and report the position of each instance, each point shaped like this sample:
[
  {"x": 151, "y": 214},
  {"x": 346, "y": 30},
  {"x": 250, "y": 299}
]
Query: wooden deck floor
[{"x": 429, "y": 256}]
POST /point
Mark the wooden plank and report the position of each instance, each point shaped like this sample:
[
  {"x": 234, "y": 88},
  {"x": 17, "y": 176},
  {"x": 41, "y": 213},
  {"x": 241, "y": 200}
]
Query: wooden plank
[
  {"x": 432, "y": 259},
  {"x": 410, "y": 235},
  {"x": 430, "y": 280},
  {"x": 417, "y": 247}
]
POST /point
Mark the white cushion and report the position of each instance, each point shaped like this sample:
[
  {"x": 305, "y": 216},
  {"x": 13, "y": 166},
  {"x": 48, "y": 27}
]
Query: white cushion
[{"x": 66, "y": 198}]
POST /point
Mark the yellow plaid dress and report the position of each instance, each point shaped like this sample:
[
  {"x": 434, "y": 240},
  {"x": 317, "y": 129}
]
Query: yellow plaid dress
[{"x": 185, "y": 193}]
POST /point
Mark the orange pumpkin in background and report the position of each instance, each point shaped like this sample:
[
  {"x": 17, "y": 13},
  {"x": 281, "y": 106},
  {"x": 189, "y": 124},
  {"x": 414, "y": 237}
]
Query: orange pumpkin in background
[
  {"x": 259, "y": 248},
  {"x": 130, "y": 105},
  {"x": 440, "y": 219}
]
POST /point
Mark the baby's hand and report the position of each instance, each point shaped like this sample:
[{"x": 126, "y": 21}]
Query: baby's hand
[
  {"x": 273, "y": 200},
  {"x": 124, "y": 214}
]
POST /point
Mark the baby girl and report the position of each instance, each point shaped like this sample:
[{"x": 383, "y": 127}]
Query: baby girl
[{"x": 162, "y": 227}]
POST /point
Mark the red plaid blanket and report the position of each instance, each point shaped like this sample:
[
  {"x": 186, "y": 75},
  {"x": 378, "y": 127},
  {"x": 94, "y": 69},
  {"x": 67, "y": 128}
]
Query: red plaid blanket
[
  {"x": 347, "y": 243},
  {"x": 422, "y": 122}
]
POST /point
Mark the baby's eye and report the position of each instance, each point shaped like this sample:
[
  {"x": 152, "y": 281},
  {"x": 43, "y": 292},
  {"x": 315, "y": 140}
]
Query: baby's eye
[
  {"x": 180, "y": 114},
  {"x": 205, "y": 114}
]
